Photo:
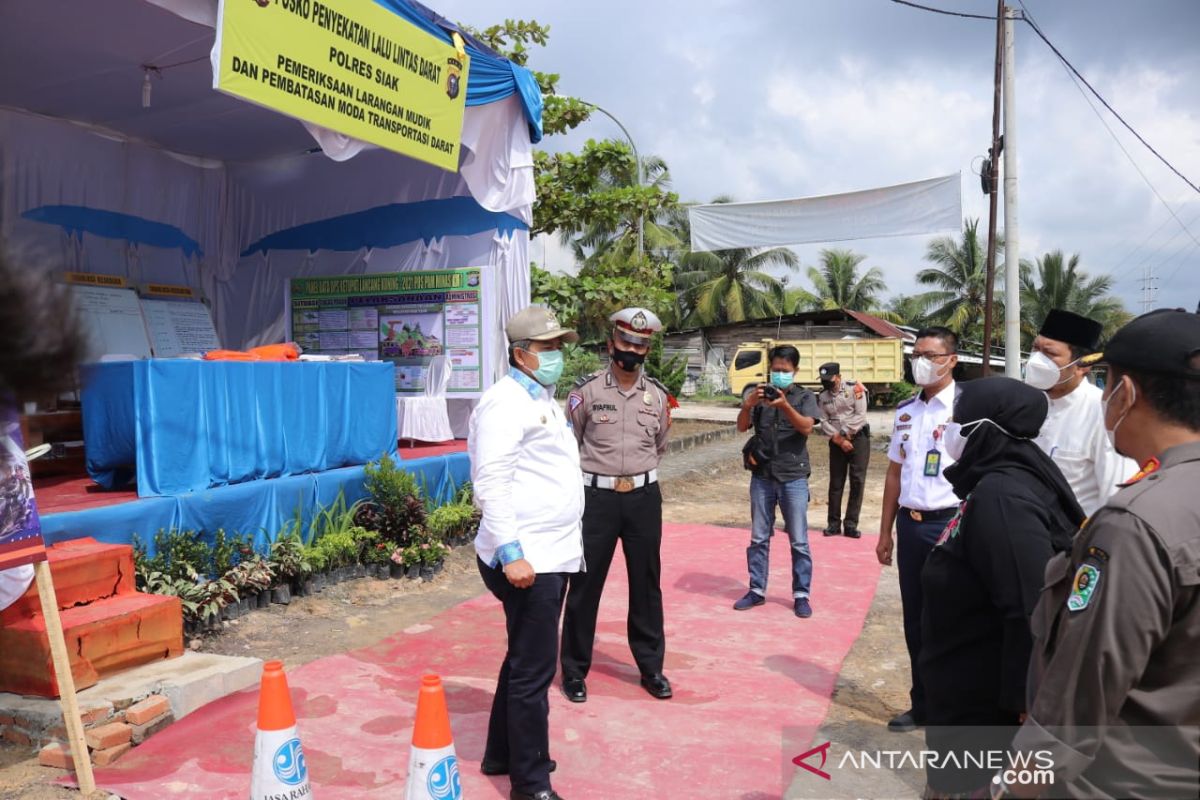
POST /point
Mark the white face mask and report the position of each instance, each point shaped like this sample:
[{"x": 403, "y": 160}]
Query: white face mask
[
  {"x": 954, "y": 439},
  {"x": 1112, "y": 433},
  {"x": 1042, "y": 373},
  {"x": 925, "y": 372}
]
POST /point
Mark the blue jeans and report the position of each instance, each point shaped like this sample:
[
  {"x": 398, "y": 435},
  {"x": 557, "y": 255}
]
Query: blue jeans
[{"x": 792, "y": 498}]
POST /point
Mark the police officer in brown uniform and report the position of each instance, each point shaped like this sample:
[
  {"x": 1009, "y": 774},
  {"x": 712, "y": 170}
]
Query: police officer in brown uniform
[
  {"x": 844, "y": 407},
  {"x": 620, "y": 417},
  {"x": 1114, "y": 680}
]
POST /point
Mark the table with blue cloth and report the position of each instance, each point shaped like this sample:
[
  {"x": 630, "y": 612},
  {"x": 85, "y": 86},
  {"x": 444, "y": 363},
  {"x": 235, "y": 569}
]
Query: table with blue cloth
[{"x": 180, "y": 426}]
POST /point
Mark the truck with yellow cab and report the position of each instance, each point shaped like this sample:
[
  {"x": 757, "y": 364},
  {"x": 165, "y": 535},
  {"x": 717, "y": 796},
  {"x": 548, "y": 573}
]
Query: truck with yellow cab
[{"x": 875, "y": 363}]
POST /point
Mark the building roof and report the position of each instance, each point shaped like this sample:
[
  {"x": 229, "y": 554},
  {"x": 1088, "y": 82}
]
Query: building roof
[{"x": 881, "y": 326}]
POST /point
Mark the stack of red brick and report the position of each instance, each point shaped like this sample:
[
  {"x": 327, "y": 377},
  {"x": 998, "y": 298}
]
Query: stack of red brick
[{"x": 109, "y": 736}]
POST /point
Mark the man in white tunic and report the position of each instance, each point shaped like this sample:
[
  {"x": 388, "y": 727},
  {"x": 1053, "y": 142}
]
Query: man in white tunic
[{"x": 1073, "y": 434}]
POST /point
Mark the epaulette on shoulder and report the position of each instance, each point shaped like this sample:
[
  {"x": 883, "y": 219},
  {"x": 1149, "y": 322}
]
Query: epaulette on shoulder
[
  {"x": 659, "y": 384},
  {"x": 904, "y": 403},
  {"x": 585, "y": 379}
]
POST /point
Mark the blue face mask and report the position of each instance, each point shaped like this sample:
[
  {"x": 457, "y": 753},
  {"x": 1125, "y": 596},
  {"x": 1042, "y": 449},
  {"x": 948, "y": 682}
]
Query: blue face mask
[
  {"x": 550, "y": 367},
  {"x": 782, "y": 380}
]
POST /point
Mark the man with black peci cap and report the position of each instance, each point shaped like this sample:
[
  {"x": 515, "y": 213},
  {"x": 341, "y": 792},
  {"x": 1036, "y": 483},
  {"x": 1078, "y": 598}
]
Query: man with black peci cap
[
  {"x": 843, "y": 405},
  {"x": 620, "y": 418},
  {"x": 1114, "y": 681},
  {"x": 1073, "y": 434}
]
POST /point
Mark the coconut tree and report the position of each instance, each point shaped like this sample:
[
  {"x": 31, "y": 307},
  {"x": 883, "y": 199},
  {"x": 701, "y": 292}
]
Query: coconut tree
[
  {"x": 1055, "y": 283},
  {"x": 838, "y": 284},
  {"x": 910, "y": 309},
  {"x": 959, "y": 280}
]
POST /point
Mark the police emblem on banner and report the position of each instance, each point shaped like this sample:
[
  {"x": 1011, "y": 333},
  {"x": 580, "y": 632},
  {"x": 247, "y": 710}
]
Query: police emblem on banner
[{"x": 453, "y": 77}]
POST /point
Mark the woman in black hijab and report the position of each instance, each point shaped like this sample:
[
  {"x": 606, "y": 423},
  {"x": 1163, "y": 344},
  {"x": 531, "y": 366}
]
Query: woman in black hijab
[{"x": 982, "y": 579}]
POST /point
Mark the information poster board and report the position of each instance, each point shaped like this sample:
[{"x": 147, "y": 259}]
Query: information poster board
[
  {"x": 352, "y": 67},
  {"x": 177, "y": 321},
  {"x": 111, "y": 315},
  {"x": 407, "y": 318}
]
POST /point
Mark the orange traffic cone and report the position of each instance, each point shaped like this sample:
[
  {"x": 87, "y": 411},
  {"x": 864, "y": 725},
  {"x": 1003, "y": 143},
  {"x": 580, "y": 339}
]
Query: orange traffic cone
[
  {"x": 432, "y": 765},
  {"x": 279, "y": 768}
]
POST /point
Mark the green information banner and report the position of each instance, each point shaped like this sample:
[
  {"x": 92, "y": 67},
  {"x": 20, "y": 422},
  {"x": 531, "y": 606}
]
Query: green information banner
[
  {"x": 351, "y": 66},
  {"x": 407, "y": 318}
]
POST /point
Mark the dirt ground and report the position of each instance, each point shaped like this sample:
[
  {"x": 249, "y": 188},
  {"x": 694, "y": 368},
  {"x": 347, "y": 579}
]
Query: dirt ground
[{"x": 703, "y": 485}]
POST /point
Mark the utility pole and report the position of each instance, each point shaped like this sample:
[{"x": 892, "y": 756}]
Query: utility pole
[
  {"x": 990, "y": 184},
  {"x": 1149, "y": 288},
  {"x": 1012, "y": 255}
]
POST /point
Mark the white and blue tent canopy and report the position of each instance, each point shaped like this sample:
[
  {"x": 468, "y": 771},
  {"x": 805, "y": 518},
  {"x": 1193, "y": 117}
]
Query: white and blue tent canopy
[{"x": 206, "y": 190}]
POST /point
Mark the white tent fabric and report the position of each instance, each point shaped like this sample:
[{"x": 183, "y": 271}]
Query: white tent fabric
[
  {"x": 425, "y": 418},
  {"x": 928, "y": 206}
]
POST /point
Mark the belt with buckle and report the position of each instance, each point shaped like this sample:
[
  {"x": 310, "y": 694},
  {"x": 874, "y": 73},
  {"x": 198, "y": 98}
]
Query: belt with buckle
[
  {"x": 937, "y": 515},
  {"x": 620, "y": 483}
]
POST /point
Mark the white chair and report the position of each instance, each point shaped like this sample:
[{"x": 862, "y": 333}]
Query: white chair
[{"x": 424, "y": 418}]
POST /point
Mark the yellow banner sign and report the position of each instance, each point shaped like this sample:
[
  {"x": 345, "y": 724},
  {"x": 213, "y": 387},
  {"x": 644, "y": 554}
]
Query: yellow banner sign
[
  {"x": 355, "y": 68},
  {"x": 168, "y": 290},
  {"x": 92, "y": 279}
]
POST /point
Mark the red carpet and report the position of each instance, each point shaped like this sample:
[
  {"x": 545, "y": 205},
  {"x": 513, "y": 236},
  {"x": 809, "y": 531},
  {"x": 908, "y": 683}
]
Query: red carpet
[
  {"x": 75, "y": 494},
  {"x": 751, "y": 688}
]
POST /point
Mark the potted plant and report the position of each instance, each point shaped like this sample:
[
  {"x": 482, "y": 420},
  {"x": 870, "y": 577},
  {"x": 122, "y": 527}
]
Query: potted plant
[
  {"x": 412, "y": 561},
  {"x": 290, "y": 565},
  {"x": 396, "y": 565}
]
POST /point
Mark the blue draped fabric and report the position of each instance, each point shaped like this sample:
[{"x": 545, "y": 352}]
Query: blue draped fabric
[
  {"x": 492, "y": 77},
  {"x": 260, "y": 508},
  {"x": 391, "y": 225},
  {"x": 184, "y": 426},
  {"x": 77, "y": 220}
]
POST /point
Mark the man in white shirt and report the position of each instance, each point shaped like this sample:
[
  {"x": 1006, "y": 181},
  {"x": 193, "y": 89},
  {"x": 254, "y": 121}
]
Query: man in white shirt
[
  {"x": 917, "y": 498},
  {"x": 525, "y": 471},
  {"x": 1073, "y": 434}
]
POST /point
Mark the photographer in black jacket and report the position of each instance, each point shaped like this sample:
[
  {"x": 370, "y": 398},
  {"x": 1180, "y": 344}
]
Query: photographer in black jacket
[{"x": 782, "y": 415}]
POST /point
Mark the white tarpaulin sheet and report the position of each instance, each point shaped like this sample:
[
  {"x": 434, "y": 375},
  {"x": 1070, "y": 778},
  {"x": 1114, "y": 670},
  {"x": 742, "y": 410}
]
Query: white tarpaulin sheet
[{"x": 929, "y": 206}]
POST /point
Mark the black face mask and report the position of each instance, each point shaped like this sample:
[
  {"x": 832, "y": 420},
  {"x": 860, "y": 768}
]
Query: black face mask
[
  {"x": 827, "y": 384},
  {"x": 627, "y": 359}
]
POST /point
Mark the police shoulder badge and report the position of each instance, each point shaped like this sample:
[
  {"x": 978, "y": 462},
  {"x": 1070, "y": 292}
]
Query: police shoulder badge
[
  {"x": 574, "y": 400},
  {"x": 1083, "y": 587}
]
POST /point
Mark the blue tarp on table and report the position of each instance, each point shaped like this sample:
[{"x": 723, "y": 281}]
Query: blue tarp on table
[{"x": 185, "y": 426}]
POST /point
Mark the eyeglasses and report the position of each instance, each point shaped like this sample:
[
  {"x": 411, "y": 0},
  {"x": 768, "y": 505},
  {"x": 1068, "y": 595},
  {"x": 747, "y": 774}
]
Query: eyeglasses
[{"x": 918, "y": 354}]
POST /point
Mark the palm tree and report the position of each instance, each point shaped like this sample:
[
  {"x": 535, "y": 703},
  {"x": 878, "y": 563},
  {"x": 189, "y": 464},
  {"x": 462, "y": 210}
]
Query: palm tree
[
  {"x": 837, "y": 284},
  {"x": 959, "y": 276},
  {"x": 910, "y": 309},
  {"x": 1066, "y": 287}
]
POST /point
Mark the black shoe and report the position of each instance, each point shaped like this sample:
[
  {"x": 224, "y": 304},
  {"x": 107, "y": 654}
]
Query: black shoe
[
  {"x": 903, "y": 723},
  {"x": 750, "y": 600},
  {"x": 834, "y": 530},
  {"x": 545, "y": 794},
  {"x": 802, "y": 608},
  {"x": 853, "y": 533},
  {"x": 575, "y": 690},
  {"x": 657, "y": 685},
  {"x": 501, "y": 768}
]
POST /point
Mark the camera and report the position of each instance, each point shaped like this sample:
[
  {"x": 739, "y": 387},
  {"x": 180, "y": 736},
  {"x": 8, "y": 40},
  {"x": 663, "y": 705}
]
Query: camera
[{"x": 770, "y": 392}]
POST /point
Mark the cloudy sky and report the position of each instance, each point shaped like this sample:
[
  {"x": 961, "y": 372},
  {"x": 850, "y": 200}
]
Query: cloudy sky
[{"x": 769, "y": 100}]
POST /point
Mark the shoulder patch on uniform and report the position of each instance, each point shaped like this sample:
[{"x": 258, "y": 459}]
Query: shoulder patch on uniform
[
  {"x": 859, "y": 391},
  {"x": 1087, "y": 578},
  {"x": 574, "y": 401},
  {"x": 585, "y": 379}
]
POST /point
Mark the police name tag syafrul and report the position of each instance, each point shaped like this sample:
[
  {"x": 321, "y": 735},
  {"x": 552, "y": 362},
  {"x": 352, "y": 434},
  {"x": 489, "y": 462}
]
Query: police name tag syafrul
[{"x": 933, "y": 463}]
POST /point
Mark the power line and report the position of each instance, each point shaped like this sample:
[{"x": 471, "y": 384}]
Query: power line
[
  {"x": 1111, "y": 110},
  {"x": 943, "y": 11}
]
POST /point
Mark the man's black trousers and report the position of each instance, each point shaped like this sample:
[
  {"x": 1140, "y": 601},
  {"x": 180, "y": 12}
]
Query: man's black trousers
[
  {"x": 914, "y": 541},
  {"x": 519, "y": 728},
  {"x": 854, "y": 462},
  {"x": 634, "y": 518}
]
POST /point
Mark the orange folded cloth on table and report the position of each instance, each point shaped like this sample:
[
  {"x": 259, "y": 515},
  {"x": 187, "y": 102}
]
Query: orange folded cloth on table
[{"x": 288, "y": 351}]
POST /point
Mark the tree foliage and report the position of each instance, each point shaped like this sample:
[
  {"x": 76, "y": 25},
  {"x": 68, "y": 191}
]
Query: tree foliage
[
  {"x": 1053, "y": 283},
  {"x": 838, "y": 284}
]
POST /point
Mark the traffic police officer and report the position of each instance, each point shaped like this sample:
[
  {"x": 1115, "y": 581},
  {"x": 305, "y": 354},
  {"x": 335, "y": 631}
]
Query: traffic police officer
[
  {"x": 620, "y": 417},
  {"x": 843, "y": 407},
  {"x": 1114, "y": 682}
]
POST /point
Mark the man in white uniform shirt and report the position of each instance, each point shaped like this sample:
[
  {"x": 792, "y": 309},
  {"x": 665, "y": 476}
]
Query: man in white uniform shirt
[
  {"x": 916, "y": 495},
  {"x": 1073, "y": 434},
  {"x": 525, "y": 471}
]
